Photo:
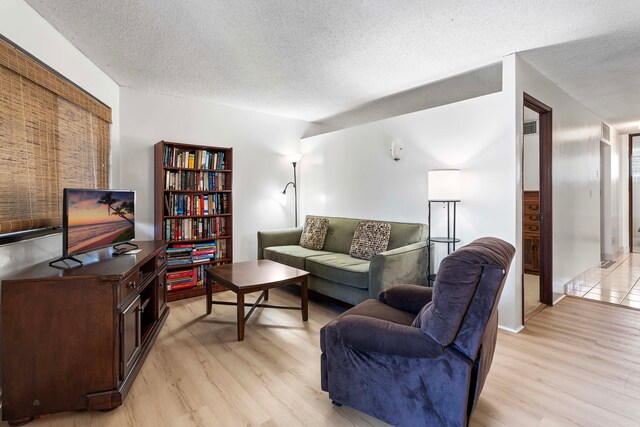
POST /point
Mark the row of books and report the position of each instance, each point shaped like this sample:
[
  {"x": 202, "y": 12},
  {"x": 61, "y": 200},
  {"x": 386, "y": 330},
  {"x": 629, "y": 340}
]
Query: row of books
[
  {"x": 195, "y": 228},
  {"x": 191, "y": 253},
  {"x": 193, "y": 159},
  {"x": 195, "y": 180},
  {"x": 185, "y": 279},
  {"x": 196, "y": 204},
  {"x": 181, "y": 279}
]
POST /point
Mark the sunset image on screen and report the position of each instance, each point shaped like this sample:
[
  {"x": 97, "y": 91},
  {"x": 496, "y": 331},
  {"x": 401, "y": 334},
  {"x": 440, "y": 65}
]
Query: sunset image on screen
[{"x": 98, "y": 218}]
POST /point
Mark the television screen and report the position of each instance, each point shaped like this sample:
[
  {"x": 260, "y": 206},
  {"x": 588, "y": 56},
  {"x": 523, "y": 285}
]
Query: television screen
[{"x": 97, "y": 218}]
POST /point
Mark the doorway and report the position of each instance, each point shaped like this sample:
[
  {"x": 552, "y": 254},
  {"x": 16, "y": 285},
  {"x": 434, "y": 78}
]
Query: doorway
[
  {"x": 606, "y": 251},
  {"x": 537, "y": 285},
  {"x": 634, "y": 192}
]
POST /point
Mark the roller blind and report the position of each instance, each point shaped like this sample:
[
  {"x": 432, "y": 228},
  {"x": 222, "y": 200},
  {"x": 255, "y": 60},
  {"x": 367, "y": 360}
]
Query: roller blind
[{"x": 52, "y": 135}]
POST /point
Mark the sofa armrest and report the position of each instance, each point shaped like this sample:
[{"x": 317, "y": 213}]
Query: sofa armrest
[
  {"x": 409, "y": 298},
  {"x": 383, "y": 337},
  {"x": 406, "y": 264},
  {"x": 289, "y": 236}
]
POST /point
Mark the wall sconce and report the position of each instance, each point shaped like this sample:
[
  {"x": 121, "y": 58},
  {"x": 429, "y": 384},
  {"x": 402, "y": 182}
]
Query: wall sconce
[
  {"x": 396, "y": 149},
  {"x": 294, "y": 159}
]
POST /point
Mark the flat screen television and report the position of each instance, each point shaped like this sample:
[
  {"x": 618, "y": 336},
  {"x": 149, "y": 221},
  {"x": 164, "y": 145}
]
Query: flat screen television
[{"x": 94, "y": 219}]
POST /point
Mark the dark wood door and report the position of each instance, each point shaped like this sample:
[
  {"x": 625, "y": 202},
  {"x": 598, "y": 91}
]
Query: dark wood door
[
  {"x": 545, "y": 215},
  {"x": 129, "y": 337}
]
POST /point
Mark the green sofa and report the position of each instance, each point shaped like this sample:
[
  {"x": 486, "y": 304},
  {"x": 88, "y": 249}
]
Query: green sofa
[{"x": 336, "y": 274}]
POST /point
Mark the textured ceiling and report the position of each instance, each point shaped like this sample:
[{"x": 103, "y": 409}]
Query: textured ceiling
[
  {"x": 603, "y": 73},
  {"x": 313, "y": 60}
]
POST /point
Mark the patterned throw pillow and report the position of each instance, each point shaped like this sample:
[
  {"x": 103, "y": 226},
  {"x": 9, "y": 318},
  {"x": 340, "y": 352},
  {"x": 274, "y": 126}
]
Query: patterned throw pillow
[
  {"x": 370, "y": 238},
  {"x": 314, "y": 233}
]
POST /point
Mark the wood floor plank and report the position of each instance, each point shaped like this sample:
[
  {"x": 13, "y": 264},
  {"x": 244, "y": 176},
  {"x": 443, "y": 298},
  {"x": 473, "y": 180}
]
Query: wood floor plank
[{"x": 575, "y": 364}]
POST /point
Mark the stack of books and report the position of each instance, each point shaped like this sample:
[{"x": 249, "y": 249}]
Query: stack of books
[
  {"x": 203, "y": 252},
  {"x": 179, "y": 254},
  {"x": 181, "y": 279}
]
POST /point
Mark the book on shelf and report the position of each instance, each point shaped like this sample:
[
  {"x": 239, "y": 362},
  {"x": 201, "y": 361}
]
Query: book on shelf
[
  {"x": 179, "y": 262},
  {"x": 179, "y": 157},
  {"x": 194, "y": 228},
  {"x": 205, "y": 257},
  {"x": 194, "y": 180},
  {"x": 203, "y": 252},
  {"x": 178, "y": 286},
  {"x": 173, "y": 251},
  {"x": 179, "y": 274},
  {"x": 196, "y": 204}
]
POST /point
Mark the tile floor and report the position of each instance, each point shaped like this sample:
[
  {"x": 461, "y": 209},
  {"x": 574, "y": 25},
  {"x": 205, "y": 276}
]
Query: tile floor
[{"x": 618, "y": 284}]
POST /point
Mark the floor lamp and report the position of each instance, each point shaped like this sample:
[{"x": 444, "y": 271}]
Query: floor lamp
[
  {"x": 294, "y": 159},
  {"x": 443, "y": 186}
]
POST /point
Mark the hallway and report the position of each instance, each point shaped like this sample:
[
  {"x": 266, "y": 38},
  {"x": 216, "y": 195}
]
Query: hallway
[{"x": 618, "y": 284}]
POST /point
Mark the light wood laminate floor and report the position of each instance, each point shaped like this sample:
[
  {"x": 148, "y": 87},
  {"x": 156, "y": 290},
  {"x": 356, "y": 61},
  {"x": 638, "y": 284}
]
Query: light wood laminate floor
[{"x": 575, "y": 364}]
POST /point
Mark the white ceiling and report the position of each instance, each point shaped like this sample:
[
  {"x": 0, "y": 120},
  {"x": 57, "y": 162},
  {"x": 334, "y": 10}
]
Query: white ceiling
[{"x": 313, "y": 60}]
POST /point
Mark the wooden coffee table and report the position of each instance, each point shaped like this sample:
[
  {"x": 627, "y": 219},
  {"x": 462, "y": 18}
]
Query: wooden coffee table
[{"x": 253, "y": 276}]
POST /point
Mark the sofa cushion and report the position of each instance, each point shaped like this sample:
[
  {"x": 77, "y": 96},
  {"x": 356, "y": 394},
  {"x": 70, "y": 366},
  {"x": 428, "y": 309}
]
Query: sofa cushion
[
  {"x": 340, "y": 268},
  {"x": 314, "y": 233},
  {"x": 291, "y": 255},
  {"x": 369, "y": 239}
]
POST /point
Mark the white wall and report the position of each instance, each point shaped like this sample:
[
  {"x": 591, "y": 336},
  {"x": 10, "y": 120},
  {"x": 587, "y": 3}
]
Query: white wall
[
  {"x": 351, "y": 173},
  {"x": 24, "y": 27},
  {"x": 576, "y": 200},
  {"x": 260, "y": 143}
]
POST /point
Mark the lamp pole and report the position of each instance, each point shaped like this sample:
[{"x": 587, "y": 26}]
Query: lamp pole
[{"x": 295, "y": 192}]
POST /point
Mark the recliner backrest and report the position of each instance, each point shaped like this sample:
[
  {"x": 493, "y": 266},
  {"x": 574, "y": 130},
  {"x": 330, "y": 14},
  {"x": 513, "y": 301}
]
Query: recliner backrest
[{"x": 467, "y": 288}]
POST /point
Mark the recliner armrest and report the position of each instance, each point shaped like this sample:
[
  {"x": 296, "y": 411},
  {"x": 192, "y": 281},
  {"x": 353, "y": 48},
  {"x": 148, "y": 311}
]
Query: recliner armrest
[
  {"x": 288, "y": 236},
  {"x": 409, "y": 298},
  {"x": 383, "y": 337}
]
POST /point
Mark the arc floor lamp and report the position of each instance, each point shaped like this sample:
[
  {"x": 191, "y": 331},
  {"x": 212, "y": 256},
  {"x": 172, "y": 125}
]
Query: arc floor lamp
[{"x": 294, "y": 159}]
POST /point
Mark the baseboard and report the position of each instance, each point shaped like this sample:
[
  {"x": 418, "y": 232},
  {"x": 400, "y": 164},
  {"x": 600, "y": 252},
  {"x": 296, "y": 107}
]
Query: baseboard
[
  {"x": 560, "y": 298},
  {"x": 513, "y": 331}
]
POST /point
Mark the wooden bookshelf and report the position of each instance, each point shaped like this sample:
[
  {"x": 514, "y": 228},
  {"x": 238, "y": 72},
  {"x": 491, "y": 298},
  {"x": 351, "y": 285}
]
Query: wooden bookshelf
[{"x": 193, "y": 206}]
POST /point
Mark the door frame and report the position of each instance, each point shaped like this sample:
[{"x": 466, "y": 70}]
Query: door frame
[
  {"x": 545, "y": 133},
  {"x": 631, "y": 135}
]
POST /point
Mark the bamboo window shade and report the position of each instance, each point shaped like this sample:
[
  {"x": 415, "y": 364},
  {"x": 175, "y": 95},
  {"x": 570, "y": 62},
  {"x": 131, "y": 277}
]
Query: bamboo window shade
[{"x": 52, "y": 135}]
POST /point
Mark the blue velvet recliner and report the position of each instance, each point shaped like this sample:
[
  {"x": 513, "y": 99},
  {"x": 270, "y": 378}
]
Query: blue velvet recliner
[{"x": 419, "y": 356}]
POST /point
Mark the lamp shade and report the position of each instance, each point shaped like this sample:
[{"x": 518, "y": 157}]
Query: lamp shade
[
  {"x": 444, "y": 185},
  {"x": 294, "y": 158}
]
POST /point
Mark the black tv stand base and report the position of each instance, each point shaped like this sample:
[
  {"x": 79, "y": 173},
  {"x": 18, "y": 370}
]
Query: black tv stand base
[
  {"x": 62, "y": 259},
  {"x": 122, "y": 250}
]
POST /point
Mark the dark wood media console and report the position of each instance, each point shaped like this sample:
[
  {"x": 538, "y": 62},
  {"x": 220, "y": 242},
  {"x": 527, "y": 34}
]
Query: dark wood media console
[{"x": 76, "y": 339}]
